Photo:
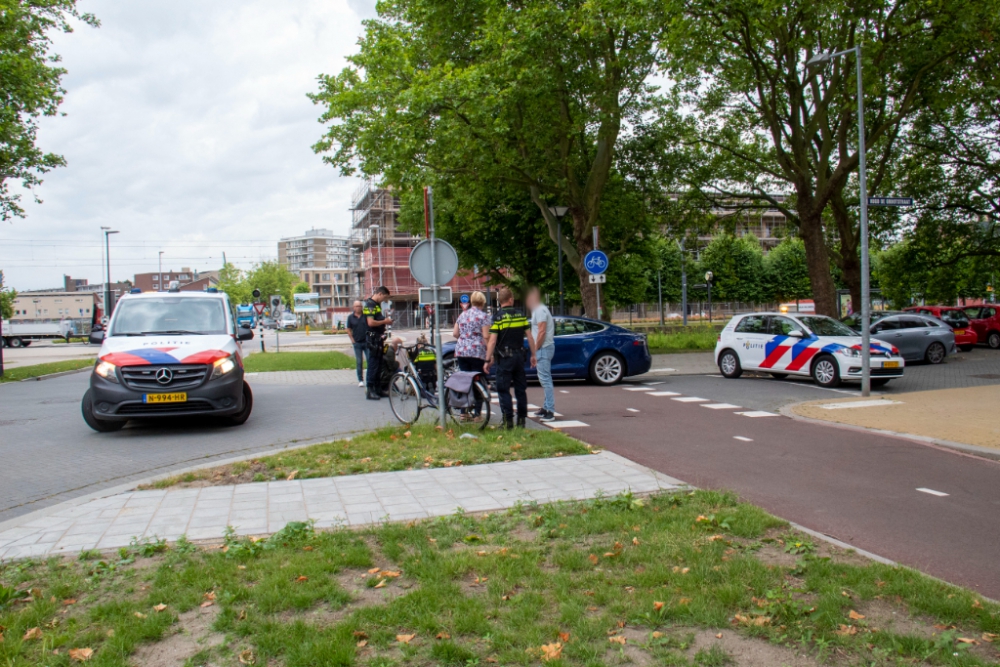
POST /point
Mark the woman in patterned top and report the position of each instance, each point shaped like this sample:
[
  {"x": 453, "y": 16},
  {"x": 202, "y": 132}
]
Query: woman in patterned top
[{"x": 472, "y": 329}]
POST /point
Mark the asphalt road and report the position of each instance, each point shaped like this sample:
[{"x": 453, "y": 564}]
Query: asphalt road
[
  {"x": 50, "y": 455},
  {"x": 857, "y": 487}
]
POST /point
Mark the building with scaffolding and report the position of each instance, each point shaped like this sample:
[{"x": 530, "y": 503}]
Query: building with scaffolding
[{"x": 380, "y": 250}]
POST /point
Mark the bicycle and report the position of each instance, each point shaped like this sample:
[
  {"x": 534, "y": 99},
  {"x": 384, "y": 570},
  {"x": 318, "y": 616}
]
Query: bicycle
[{"x": 409, "y": 395}]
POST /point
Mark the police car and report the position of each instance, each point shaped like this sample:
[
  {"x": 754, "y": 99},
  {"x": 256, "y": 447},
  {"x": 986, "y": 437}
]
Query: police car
[
  {"x": 169, "y": 354},
  {"x": 807, "y": 345}
]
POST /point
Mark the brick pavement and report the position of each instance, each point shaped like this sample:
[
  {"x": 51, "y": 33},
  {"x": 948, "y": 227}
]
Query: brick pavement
[
  {"x": 263, "y": 508},
  {"x": 315, "y": 378}
]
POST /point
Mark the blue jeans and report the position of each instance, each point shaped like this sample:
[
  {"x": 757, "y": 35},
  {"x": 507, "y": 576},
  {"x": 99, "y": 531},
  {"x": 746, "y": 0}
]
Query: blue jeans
[
  {"x": 360, "y": 354},
  {"x": 543, "y": 357}
]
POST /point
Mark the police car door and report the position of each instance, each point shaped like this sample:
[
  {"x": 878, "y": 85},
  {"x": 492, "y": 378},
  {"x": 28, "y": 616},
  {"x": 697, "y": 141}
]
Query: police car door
[
  {"x": 789, "y": 347},
  {"x": 751, "y": 338}
]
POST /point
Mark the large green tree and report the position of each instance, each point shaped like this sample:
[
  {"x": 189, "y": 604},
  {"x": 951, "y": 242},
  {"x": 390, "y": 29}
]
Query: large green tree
[
  {"x": 737, "y": 265},
  {"x": 30, "y": 88},
  {"x": 537, "y": 94},
  {"x": 7, "y": 296},
  {"x": 269, "y": 277},
  {"x": 787, "y": 271},
  {"x": 774, "y": 125}
]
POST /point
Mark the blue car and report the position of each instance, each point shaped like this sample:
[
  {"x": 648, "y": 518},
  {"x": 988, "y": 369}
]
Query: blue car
[{"x": 589, "y": 349}]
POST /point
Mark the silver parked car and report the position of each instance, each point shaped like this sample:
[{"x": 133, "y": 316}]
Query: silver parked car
[{"x": 918, "y": 337}]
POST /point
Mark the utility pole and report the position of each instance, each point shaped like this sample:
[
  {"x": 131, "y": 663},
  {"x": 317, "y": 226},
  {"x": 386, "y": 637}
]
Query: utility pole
[
  {"x": 159, "y": 277},
  {"x": 684, "y": 287},
  {"x": 436, "y": 320},
  {"x": 107, "y": 258},
  {"x": 597, "y": 285},
  {"x": 659, "y": 288}
]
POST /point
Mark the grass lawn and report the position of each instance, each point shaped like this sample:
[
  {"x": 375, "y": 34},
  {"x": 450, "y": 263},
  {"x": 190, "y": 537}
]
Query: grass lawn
[
  {"x": 689, "y": 579},
  {"x": 297, "y": 361},
  {"x": 25, "y": 372},
  {"x": 691, "y": 339},
  {"x": 421, "y": 446}
]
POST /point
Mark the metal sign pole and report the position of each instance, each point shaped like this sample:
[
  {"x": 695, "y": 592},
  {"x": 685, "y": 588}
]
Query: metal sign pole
[
  {"x": 598, "y": 285},
  {"x": 436, "y": 320}
]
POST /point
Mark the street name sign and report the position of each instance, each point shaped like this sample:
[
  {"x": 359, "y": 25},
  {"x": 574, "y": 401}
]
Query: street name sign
[{"x": 890, "y": 201}]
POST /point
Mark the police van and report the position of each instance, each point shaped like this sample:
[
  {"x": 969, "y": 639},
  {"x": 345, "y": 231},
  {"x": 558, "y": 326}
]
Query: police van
[{"x": 169, "y": 354}]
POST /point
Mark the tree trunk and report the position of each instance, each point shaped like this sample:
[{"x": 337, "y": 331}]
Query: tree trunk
[
  {"x": 849, "y": 258},
  {"x": 818, "y": 259}
]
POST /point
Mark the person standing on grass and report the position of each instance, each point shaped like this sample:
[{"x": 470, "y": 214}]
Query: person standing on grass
[
  {"x": 357, "y": 331},
  {"x": 472, "y": 328},
  {"x": 542, "y": 341},
  {"x": 506, "y": 347}
]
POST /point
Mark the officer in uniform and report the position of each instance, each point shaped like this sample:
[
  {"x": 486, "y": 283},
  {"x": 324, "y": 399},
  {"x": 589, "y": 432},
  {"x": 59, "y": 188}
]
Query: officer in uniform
[
  {"x": 377, "y": 322},
  {"x": 506, "y": 348}
]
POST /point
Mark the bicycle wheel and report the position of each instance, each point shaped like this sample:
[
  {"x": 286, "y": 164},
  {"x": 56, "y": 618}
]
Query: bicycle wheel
[
  {"x": 481, "y": 395},
  {"x": 404, "y": 398}
]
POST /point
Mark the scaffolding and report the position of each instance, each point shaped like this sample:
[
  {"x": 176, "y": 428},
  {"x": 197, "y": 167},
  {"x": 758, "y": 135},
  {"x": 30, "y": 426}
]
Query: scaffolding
[{"x": 380, "y": 251}]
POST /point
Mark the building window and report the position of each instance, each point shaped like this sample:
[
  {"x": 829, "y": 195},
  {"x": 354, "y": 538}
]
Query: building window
[{"x": 326, "y": 277}]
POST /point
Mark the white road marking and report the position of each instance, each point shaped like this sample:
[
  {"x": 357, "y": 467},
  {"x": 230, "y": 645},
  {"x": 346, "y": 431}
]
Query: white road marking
[
  {"x": 663, "y": 393},
  {"x": 757, "y": 413},
  {"x": 661, "y": 370},
  {"x": 940, "y": 494},
  {"x": 532, "y": 406},
  {"x": 689, "y": 399},
  {"x": 563, "y": 391},
  {"x": 713, "y": 376},
  {"x": 637, "y": 388},
  {"x": 742, "y": 439},
  {"x": 721, "y": 406},
  {"x": 859, "y": 404},
  {"x": 651, "y": 384},
  {"x": 631, "y": 409},
  {"x": 569, "y": 423}
]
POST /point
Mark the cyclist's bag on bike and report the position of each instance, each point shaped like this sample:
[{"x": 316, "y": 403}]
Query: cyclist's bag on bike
[
  {"x": 459, "y": 389},
  {"x": 425, "y": 362}
]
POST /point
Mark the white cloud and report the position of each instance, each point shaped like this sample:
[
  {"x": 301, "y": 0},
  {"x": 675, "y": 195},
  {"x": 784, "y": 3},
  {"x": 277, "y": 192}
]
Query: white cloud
[{"x": 189, "y": 130}]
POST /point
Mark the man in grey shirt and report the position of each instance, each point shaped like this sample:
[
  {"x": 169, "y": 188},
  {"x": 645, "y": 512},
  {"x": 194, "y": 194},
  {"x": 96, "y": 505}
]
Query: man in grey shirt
[{"x": 542, "y": 341}]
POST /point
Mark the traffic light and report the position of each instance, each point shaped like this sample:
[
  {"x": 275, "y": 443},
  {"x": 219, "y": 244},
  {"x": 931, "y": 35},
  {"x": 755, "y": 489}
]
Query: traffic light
[{"x": 256, "y": 294}]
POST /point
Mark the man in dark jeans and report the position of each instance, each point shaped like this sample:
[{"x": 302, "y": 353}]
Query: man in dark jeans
[{"x": 357, "y": 330}]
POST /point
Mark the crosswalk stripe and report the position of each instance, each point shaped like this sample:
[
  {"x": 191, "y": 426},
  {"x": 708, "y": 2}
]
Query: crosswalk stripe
[
  {"x": 757, "y": 413},
  {"x": 637, "y": 388},
  {"x": 569, "y": 423},
  {"x": 689, "y": 399},
  {"x": 721, "y": 406},
  {"x": 663, "y": 393}
]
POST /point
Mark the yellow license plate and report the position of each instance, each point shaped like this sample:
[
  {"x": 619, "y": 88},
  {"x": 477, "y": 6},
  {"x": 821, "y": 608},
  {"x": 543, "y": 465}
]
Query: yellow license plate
[
  {"x": 180, "y": 397},
  {"x": 959, "y": 332},
  {"x": 890, "y": 364}
]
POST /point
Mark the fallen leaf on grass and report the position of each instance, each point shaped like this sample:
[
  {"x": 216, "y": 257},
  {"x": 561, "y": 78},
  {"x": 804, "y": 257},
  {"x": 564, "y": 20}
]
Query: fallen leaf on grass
[
  {"x": 374, "y": 570},
  {"x": 990, "y": 636},
  {"x": 617, "y": 639},
  {"x": 684, "y": 601},
  {"x": 657, "y": 634},
  {"x": 480, "y": 553},
  {"x": 363, "y": 643},
  {"x": 846, "y": 630},
  {"x": 610, "y": 554},
  {"x": 516, "y": 446},
  {"x": 81, "y": 654},
  {"x": 564, "y": 636},
  {"x": 753, "y": 620},
  {"x": 591, "y": 608},
  {"x": 405, "y": 639},
  {"x": 209, "y": 595},
  {"x": 390, "y": 574},
  {"x": 33, "y": 633},
  {"x": 702, "y": 517},
  {"x": 307, "y": 548},
  {"x": 207, "y": 603},
  {"x": 657, "y": 606},
  {"x": 290, "y": 477},
  {"x": 69, "y": 602},
  {"x": 360, "y": 634},
  {"x": 442, "y": 635},
  {"x": 241, "y": 567},
  {"x": 635, "y": 541},
  {"x": 139, "y": 614},
  {"x": 407, "y": 434},
  {"x": 967, "y": 640},
  {"x": 111, "y": 633},
  {"x": 593, "y": 559},
  {"x": 247, "y": 657},
  {"x": 976, "y": 604},
  {"x": 551, "y": 651},
  {"x": 855, "y": 616},
  {"x": 160, "y": 607},
  {"x": 301, "y": 578},
  {"x": 380, "y": 584}
]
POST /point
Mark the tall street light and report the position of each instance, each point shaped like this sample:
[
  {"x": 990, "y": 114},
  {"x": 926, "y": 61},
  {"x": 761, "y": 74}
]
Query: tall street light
[
  {"x": 159, "y": 277},
  {"x": 866, "y": 315},
  {"x": 107, "y": 257},
  {"x": 378, "y": 230},
  {"x": 559, "y": 212}
]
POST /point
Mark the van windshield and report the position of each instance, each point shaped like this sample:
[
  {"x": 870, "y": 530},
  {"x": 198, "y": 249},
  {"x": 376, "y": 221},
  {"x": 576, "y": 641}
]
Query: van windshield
[{"x": 169, "y": 315}]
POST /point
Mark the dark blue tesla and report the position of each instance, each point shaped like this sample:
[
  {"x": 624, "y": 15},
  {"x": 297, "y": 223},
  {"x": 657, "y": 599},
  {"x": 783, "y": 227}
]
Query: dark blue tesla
[{"x": 588, "y": 349}]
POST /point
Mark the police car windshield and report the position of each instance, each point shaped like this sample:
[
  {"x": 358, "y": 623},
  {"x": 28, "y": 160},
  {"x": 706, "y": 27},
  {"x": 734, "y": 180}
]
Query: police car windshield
[
  {"x": 169, "y": 315},
  {"x": 827, "y": 326}
]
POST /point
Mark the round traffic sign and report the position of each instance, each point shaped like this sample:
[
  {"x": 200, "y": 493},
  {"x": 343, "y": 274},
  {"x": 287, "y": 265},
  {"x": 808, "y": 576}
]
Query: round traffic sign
[
  {"x": 445, "y": 259},
  {"x": 596, "y": 262},
  {"x": 464, "y": 298}
]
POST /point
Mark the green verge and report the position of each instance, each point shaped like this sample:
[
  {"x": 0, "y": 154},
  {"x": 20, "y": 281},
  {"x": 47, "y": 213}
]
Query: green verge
[
  {"x": 684, "y": 579},
  {"x": 261, "y": 362},
  {"x": 693, "y": 339},
  {"x": 38, "y": 370},
  {"x": 388, "y": 449}
]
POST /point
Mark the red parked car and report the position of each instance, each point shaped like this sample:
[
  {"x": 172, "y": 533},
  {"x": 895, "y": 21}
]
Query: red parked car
[
  {"x": 986, "y": 323},
  {"x": 957, "y": 319}
]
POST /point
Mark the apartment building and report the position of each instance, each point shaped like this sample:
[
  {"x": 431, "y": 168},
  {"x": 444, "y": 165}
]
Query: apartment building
[
  {"x": 333, "y": 287},
  {"x": 189, "y": 281},
  {"x": 316, "y": 249},
  {"x": 39, "y": 306}
]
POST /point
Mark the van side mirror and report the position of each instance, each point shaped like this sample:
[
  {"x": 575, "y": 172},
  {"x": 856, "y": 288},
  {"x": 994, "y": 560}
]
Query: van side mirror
[
  {"x": 96, "y": 337},
  {"x": 245, "y": 333}
]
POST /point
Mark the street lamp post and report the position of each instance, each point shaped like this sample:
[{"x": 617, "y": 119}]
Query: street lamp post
[
  {"x": 378, "y": 230},
  {"x": 708, "y": 281},
  {"x": 866, "y": 314},
  {"x": 159, "y": 276},
  {"x": 107, "y": 258},
  {"x": 559, "y": 212}
]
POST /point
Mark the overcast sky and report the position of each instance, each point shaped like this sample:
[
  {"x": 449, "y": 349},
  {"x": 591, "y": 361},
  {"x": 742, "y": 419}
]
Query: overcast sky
[{"x": 188, "y": 129}]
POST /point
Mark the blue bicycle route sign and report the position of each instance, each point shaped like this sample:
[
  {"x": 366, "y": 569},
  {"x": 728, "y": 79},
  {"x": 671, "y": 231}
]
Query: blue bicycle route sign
[
  {"x": 596, "y": 262},
  {"x": 464, "y": 298}
]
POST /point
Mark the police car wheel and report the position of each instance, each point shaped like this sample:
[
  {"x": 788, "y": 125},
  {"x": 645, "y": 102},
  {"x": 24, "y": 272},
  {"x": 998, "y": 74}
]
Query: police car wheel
[
  {"x": 825, "y": 372},
  {"x": 99, "y": 425},
  {"x": 607, "y": 368},
  {"x": 243, "y": 415},
  {"x": 729, "y": 365}
]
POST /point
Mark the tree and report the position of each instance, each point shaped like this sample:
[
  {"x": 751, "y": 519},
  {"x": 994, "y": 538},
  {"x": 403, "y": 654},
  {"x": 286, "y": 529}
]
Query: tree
[
  {"x": 301, "y": 288},
  {"x": 269, "y": 277},
  {"x": 787, "y": 271},
  {"x": 7, "y": 296},
  {"x": 776, "y": 125},
  {"x": 231, "y": 281},
  {"x": 665, "y": 270},
  {"x": 30, "y": 88},
  {"x": 538, "y": 95},
  {"x": 737, "y": 265}
]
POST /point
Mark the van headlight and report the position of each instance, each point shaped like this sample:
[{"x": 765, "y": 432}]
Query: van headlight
[
  {"x": 222, "y": 367},
  {"x": 849, "y": 352},
  {"x": 107, "y": 371}
]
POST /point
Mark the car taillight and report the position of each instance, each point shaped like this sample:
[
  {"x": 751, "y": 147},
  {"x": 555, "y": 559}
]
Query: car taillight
[{"x": 638, "y": 343}]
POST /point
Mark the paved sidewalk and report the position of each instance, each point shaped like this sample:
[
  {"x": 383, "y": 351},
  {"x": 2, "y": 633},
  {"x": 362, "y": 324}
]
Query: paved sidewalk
[
  {"x": 339, "y": 376},
  {"x": 264, "y": 508}
]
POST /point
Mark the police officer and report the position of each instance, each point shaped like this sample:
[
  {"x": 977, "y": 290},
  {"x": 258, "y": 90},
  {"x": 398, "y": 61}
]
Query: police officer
[
  {"x": 506, "y": 348},
  {"x": 377, "y": 322}
]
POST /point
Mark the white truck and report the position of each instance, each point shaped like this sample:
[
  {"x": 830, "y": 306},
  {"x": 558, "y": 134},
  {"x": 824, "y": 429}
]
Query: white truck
[{"x": 20, "y": 334}]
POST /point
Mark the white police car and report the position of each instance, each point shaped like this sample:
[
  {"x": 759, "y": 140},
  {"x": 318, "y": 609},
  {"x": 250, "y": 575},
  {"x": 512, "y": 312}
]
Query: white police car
[
  {"x": 169, "y": 354},
  {"x": 807, "y": 345}
]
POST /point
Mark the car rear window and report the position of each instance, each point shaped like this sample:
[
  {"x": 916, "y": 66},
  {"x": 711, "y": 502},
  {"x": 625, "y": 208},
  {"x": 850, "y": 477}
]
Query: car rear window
[
  {"x": 752, "y": 324},
  {"x": 956, "y": 318},
  {"x": 912, "y": 323}
]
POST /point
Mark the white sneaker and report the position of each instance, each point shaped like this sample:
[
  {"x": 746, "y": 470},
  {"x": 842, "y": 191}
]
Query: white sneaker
[{"x": 361, "y": 384}]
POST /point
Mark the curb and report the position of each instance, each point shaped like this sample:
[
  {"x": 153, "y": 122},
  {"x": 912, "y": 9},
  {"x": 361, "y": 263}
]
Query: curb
[
  {"x": 38, "y": 378},
  {"x": 974, "y": 451}
]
